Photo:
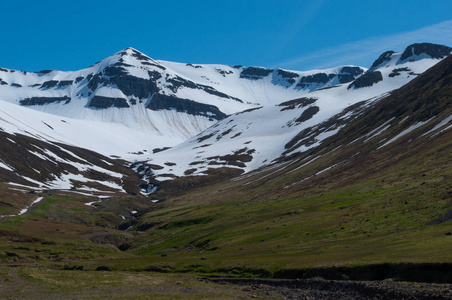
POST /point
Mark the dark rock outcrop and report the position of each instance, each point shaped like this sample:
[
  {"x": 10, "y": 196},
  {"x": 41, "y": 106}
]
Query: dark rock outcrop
[
  {"x": 115, "y": 70},
  {"x": 319, "y": 78},
  {"x": 255, "y": 73},
  {"x": 348, "y": 74},
  {"x": 49, "y": 84},
  {"x": 223, "y": 72},
  {"x": 106, "y": 102},
  {"x": 64, "y": 83},
  {"x": 165, "y": 102},
  {"x": 176, "y": 82},
  {"x": 307, "y": 114},
  {"x": 368, "y": 79},
  {"x": 385, "y": 57},
  {"x": 56, "y": 84},
  {"x": 285, "y": 76},
  {"x": 432, "y": 50},
  {"x": 97, "y": 80},
  {"x": 44, "y": 100},
  {"x": 128, "y": 84},
  {"x": 297, "y": 103},
  {"x": 397, "y": 72}
]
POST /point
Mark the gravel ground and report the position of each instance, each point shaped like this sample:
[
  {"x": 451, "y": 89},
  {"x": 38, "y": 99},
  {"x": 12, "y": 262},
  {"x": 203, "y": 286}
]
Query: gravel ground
[{"x": 332, "y": 289}]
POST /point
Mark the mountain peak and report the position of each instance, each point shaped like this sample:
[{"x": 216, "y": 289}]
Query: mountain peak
[
  {"x": 129, "y": 58},
  {"x": 385, "y": 57},
  {"x": 134, "y": 53},
  {"x": 425, "y": 49},
  {"x": 413, "y": 52}
]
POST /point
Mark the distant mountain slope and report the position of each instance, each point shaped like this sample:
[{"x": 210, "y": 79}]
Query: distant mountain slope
[
  {"x": 35, "y": 164},
  {"x": 422, "y": 108},
  {"x": 401, "y": 140},
  {"x": 259, "y": 136}
]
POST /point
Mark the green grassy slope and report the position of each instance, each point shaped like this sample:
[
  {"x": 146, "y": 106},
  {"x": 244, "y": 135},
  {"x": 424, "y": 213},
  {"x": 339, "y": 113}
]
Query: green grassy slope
[{"x": 366, "y": 211}]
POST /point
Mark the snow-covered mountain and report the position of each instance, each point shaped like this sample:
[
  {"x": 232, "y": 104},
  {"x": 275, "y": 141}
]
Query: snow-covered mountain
[
  {"x": 163, "y": 103},
  {"x": 132, "y": 107},
  {"x": 260, "y": 136}
]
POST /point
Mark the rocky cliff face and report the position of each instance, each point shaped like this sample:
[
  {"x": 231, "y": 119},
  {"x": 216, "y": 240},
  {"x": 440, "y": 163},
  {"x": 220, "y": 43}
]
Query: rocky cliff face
[
  {"x": 427, "y": 49},
  {"x": 303, "y": 81}
]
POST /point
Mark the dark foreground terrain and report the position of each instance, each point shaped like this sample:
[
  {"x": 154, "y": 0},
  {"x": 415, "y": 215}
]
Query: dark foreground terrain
[{"x": 43, "y": 283}]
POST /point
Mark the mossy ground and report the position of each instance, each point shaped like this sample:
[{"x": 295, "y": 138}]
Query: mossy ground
[{"x": 44, "y": 283}]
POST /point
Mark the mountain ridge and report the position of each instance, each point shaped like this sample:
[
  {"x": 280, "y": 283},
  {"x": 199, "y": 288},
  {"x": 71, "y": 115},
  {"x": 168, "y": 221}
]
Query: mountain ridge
[
  {"x": 150, "y": 111},
  {"x": 120, "y": 89},
  {"x": 298, "y": 126}
]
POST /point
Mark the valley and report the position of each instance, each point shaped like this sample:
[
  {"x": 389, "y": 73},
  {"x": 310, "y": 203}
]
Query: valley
[{"x": 330, "y": 177}]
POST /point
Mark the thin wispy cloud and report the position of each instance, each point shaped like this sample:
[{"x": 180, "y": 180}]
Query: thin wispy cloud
[
  {"x": 364, "y": 52},
  {"x": 298, "y": 24}
]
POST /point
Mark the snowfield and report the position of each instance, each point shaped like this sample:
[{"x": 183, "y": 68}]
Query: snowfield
[{"x": 268, "y": 129}]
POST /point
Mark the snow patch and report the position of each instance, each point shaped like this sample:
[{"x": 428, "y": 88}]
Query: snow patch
[
  {"x": 439, "y": 125},
  {"x": 5, "y": 166},
  {"x": 405, "y": 132},
  {"x": 23, "y": 211}
]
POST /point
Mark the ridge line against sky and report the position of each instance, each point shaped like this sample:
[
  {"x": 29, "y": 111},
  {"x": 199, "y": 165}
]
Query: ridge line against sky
[{"x": 364, "y": 52}]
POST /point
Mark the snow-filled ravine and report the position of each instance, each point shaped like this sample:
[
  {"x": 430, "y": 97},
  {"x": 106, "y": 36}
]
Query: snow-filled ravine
[{"x": 25, "y": 210}]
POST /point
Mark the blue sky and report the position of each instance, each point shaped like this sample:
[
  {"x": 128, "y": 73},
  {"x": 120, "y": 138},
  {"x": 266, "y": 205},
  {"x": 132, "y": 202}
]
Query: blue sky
[{"x": 298, "y": 35}]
